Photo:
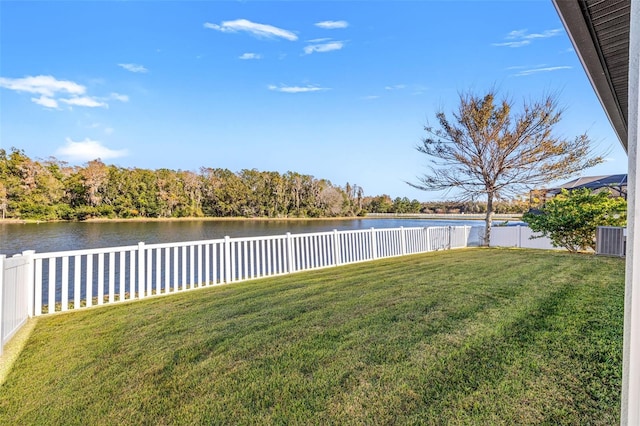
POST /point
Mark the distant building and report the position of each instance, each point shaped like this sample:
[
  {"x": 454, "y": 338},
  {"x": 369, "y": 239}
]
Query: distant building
[{"x": 615, "y": 184}]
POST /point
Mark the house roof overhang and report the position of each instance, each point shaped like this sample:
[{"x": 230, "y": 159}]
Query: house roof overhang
[{"x": 599, "y": 31}]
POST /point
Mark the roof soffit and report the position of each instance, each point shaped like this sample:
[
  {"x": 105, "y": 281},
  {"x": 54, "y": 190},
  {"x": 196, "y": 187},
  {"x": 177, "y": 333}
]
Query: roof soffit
[{"x": 599, "y": 31}]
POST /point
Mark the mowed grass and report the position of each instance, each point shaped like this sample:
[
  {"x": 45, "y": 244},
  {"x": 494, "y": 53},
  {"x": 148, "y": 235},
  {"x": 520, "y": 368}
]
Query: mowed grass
[{"x": 479, "y": 336}]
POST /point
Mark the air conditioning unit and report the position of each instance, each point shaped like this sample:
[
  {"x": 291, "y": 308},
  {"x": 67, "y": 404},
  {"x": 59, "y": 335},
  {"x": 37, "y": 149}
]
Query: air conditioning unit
[{"x": 611, "y": 241}]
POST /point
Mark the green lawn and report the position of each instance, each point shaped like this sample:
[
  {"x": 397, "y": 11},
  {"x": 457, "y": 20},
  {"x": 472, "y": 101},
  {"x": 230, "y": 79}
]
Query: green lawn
[{"x": 478, "y": 336}]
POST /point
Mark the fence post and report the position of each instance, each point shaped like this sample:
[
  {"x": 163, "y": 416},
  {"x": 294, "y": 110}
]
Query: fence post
[
  {"x": 374, "y": 244},
  {"x": 403, "y": 241},
  {"x": 450, "y": 237},
  {"x": 466, "y": 235},
  {"x": 30, "y": 282},
  {"x": 289, "y": 253},
  {"x": 141, "y": 270},
  {"x": 336, "y": 248},
  {"x": 227, "y": 259}
]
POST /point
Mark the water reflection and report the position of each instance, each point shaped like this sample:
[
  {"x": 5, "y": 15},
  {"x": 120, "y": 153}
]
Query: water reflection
[{"x": 50, "y": 237}]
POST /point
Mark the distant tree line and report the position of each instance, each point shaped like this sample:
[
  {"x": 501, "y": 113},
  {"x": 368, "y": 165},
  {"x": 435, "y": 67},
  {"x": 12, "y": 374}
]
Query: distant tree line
[
  {"x": 384, "y": 204},
  {"x": 52, "y": 190}
]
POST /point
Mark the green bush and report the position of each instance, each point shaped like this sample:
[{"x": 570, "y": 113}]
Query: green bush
[
  {"x": 571, "y": 218},
  {"x": 65, "y": 212},
  {"x": 85, "y": 212},
  {"x": 30, "y": 210},
  {"x": 105, "y": 211}
]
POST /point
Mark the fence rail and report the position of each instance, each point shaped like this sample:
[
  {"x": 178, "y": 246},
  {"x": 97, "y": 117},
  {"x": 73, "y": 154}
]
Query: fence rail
[{"x": 62, "y": 281}]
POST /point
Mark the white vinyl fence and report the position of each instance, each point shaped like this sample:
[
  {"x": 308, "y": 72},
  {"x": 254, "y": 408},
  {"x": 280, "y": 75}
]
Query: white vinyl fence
[
  {"x": 14, "y": 295},
  {"x": 61, "y": 281},
  {"x": 518, "y": 236}
]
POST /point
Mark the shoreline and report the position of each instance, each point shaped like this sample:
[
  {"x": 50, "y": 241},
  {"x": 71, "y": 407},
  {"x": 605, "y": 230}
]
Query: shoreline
[
  {"x": 176, "y": 219},
  {"x": 213, "y": 219},
  {"x": 444, "y": 216}
]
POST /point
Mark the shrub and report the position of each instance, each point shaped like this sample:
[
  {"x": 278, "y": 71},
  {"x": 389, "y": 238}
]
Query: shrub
[{"x": 571, "y": 218}]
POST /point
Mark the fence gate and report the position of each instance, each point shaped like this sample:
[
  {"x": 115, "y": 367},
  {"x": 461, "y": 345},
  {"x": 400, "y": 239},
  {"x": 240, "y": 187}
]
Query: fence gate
[{"x": 13, "y": 296}]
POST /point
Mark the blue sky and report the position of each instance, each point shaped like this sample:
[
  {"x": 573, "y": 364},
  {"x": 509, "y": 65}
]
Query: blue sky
[{"x": 338, "y": 90}]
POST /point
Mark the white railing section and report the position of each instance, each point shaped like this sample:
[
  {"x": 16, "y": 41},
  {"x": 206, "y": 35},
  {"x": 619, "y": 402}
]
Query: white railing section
[
  {"x": 520, "y": 236},
  {"x": 61, "y": 281},
  {"x": 14, "y": 295}
]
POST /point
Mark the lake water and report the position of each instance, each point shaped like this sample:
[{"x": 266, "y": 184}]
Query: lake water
[{"x": 62, "y": 236}]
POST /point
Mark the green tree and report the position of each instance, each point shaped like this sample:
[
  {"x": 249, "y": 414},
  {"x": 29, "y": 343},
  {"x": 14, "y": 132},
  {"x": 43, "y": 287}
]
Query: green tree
[
  {"x": 50, "y": 189},
  {"x": 75, "y": 194},
  {"x": 95, "y": 175},
  {"x": 353, "y": 195},
  {"x": 571, "y": 218},
  {"x": 169, "y": 193},
  {"x": 3, "y": 199},
  {"x": 401, "y": 205},
  {"x": 277, "y": 189},
  {"x": 222, "y": 192},
  {"x": 378, "y": 204},
  {"x": 489, "y": 149},
  {"x": 192, "y": 184}
]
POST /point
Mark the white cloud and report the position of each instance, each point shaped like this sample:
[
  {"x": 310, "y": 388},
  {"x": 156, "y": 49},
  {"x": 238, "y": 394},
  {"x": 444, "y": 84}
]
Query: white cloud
[
  {"x": 45, "y": 102},
  {"x": 319, "y": 40},
  {"x": 108, "y": 130},
  {"x": 45, "y": 85},
  {"x": 538, "y": 70},
  {"x": 250, "y": 56},
  {"x": 331, "y": 25},
  {"x": 396, "y": 87},
  {"x": 522, "y": 67},
  {"x": 53, "y": 92},
  {"x": 84, "y": 101},
  {"x": 521, "y": 38},
  {"x": 371, "y": 97},
  {"x": 88, "y": 150},
  {"x": 513, "y": 43},
  {"x": 544, "y": 34},
  {"x": 515, "y": 34},
  {"x": 325, "y": 47},
  {"x": 296, "y": 89},
  {"x": 258, "y": 30},
  {"x": 134, "y": 68},
  {"x": 119, "y": 97}
]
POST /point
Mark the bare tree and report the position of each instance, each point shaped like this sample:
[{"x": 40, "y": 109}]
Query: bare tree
[
  {"x": 95, "y": 175},
  {"x": 490, "y": 149}
]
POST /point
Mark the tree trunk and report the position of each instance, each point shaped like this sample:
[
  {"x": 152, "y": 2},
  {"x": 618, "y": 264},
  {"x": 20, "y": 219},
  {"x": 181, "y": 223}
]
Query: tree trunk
[{"x": 488, "y": 219}]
